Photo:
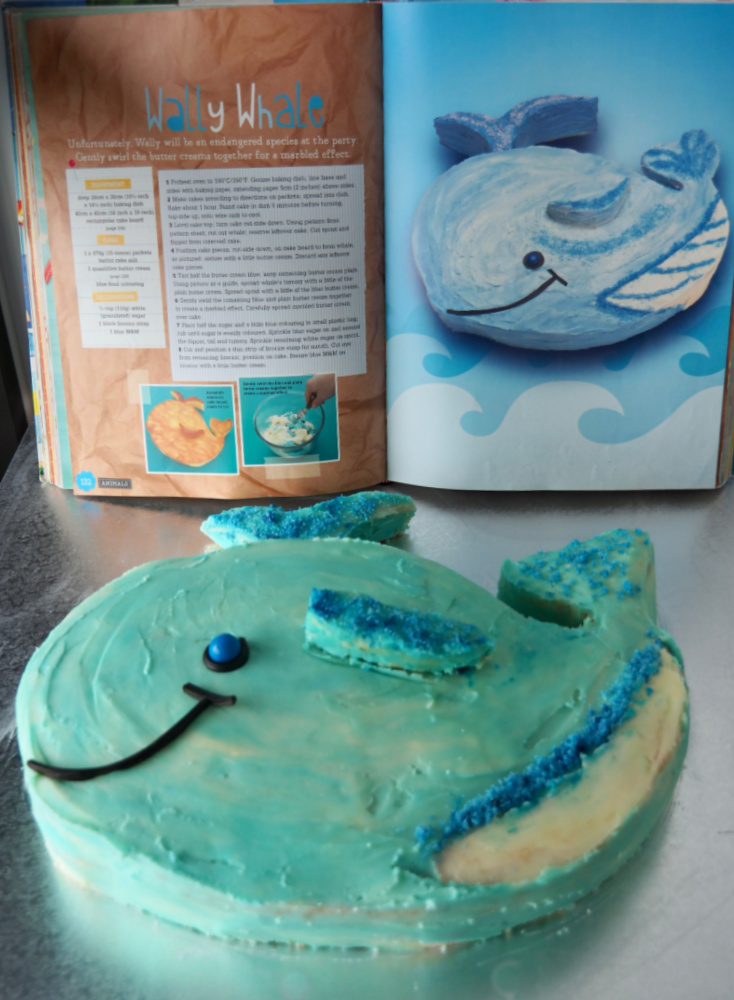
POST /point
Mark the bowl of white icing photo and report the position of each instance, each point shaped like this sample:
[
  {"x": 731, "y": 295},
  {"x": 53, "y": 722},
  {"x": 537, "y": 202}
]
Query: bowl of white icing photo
[{"x": 286, "y": 426}]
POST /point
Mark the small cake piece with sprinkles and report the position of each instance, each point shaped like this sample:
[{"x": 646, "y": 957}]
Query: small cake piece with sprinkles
[
  {"x": 374, "y": 516},
  {"x": 564, "y": 586},
  {"x": 367, "y": 633}
]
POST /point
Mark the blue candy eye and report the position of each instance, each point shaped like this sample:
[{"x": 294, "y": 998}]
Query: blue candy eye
[
  {"x": 226, "y": 652},
  {"x": 533, "y": 260}
]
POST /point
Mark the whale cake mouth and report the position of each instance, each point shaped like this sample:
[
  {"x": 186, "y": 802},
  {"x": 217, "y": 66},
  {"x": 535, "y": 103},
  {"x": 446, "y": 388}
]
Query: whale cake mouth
[
  {"x": 513, "y": 305},
  {"x": 404, "y": 759},
  {"x": 223, "y": 654}
]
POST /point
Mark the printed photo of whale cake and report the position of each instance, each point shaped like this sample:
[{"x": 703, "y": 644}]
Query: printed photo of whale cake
[
  {"x": 545, "y": 247},
  {"x": 333, "y": 742}
]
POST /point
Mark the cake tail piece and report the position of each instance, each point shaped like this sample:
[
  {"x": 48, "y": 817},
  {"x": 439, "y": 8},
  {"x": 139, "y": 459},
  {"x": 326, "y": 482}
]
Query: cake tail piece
[
  {"x": 371, "y": 516},
  {"x": 529, "y": 123}
]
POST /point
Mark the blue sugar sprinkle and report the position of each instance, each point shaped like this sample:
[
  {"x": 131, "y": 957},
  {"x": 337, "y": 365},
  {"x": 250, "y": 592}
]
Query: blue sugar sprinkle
[
  {"x": 527, "y": 787},
  {"x": 423, "y": 835}
]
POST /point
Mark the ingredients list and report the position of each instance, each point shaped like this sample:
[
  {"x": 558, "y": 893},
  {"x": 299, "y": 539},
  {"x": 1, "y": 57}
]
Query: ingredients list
[
  {"x": 264, "y": 270},
  {"x": 115, "y": 247}
]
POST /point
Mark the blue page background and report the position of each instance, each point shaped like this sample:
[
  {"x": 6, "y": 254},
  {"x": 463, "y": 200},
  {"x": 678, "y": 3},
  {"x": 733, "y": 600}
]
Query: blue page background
[{"x": 466, "y": 412}]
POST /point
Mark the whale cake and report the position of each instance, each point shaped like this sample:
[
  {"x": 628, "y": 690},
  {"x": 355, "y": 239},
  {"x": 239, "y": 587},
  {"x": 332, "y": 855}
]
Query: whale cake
[
  {"x": 371, "y": 515},
  {"x": 191, "y": 749},
  {"x": 544, "y": 247}
]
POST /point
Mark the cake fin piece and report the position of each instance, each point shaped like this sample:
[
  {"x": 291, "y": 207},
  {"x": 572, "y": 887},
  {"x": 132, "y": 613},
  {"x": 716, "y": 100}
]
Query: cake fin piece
[
  {"x": 372, "y": 515},
  {"x": 364, "y": 632},
  {"x": 529, "y": 123},
  {"x": 576, "y": 582},
  {"x": 593, "y": 210}
]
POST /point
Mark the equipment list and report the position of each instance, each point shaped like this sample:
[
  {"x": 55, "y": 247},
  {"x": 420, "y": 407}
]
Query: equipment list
[{"x": 264, "y": 270}]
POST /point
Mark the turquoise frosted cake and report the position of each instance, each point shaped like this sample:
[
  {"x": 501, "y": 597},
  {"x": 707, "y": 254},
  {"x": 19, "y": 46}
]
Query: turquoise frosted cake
[
  {"x": 186, "y": 752},
  {"x": 372, "y": 515}
]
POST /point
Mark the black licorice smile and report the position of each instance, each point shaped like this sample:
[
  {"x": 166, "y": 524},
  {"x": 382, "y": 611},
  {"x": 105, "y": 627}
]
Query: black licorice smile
[
  {"x": 496, "y": 309},
  {"x": 223, "y": 654},
  {"x": 204, "y": 699}
]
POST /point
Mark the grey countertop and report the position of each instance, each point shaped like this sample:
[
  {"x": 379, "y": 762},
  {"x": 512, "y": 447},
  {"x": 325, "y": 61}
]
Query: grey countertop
[{"x": 661, "y": 927}]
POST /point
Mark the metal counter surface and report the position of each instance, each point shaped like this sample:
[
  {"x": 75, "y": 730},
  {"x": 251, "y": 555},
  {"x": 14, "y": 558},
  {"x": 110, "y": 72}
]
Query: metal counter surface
[{"x": 661, "y": 927}]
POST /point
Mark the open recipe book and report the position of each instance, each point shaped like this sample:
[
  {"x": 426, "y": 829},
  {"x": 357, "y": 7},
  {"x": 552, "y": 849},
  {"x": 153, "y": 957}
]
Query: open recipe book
[{"x": 228, "y": 213}]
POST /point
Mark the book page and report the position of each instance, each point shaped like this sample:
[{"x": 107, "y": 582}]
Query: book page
[
  {"x": 558, "y": 187},
  {"x": 212, "y": 197}
]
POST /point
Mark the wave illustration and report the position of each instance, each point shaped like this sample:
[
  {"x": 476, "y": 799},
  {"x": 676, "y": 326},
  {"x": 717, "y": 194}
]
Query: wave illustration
[{"x": 538, "y": 445}]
